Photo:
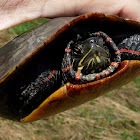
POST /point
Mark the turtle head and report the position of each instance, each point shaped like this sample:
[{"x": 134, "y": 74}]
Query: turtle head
[{"x": 91, "y": 55}]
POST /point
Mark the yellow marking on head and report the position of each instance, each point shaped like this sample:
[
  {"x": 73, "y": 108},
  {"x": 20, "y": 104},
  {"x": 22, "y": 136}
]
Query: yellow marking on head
[
  {"x": 89, "y": 63},
  {"x": 76, "y": 49},
  {"x": 93, "y": 62},
  {"x": 107, "y": 60},
  {"x": 102, "y": 49},
  {"x": 80, "y": 69},
  {"x": 84, "y": 57},
  {"x": 73, "y": 62},
  {"x": 98, "y": 59}
]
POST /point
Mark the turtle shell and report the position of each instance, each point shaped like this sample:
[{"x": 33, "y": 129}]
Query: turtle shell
[{"x": 42, "y": 48}]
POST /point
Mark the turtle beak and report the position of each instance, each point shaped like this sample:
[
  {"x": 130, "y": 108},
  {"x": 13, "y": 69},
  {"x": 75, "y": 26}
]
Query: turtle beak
[{"x": 71, "y": 95}]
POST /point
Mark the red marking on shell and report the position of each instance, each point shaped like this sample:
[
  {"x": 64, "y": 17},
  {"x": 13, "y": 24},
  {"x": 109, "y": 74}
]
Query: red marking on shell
[
  {"x": 66, "y": 69},
  {"x": 108, "y": 39},
  {"x": 98, "y": 77},
  {"x": 106, "y": 72},
  {"x": 115, "y": 64},
  {"x": 78, "y": 75},
  {"x": 67, "y": 50}
]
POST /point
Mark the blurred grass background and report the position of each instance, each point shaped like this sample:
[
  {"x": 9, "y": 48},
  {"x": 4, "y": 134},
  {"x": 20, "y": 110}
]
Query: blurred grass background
[
  {"x": 137, "y": 82},
  {"x": 113, "y": 116},
  {"x": 21, "y": 28}
]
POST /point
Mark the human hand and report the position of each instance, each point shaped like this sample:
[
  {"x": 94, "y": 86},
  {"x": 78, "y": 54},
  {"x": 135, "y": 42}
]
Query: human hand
[{"x": 14, "y": 12}]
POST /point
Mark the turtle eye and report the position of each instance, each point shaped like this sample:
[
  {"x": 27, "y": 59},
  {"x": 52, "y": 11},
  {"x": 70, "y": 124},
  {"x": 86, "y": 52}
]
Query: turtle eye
[{"x": 91, "y": 41}]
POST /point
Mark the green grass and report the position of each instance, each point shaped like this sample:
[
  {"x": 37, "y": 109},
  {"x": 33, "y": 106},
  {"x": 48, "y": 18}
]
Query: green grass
[
  {"x": 125, "y": 135},
  {"x": 137, "y": 82},
  {"x": 21, "y": 28},
  {"x": 38, "y": 132},
  {"x": 134, "y": 108}
]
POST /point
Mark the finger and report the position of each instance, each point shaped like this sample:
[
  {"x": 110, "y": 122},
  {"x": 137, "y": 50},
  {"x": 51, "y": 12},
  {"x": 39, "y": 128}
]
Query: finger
[
  {"x": 124, "y": 8},
  {"x": 131, "y": 10},
  {"x": 18, "y": 11},
  {"x": 13, "y": 12},
  {"x": 55, "y": 8}
]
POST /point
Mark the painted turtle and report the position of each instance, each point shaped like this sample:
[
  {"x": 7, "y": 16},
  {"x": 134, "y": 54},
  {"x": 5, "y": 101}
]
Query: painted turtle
[{"x": 66, "y": 62}]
